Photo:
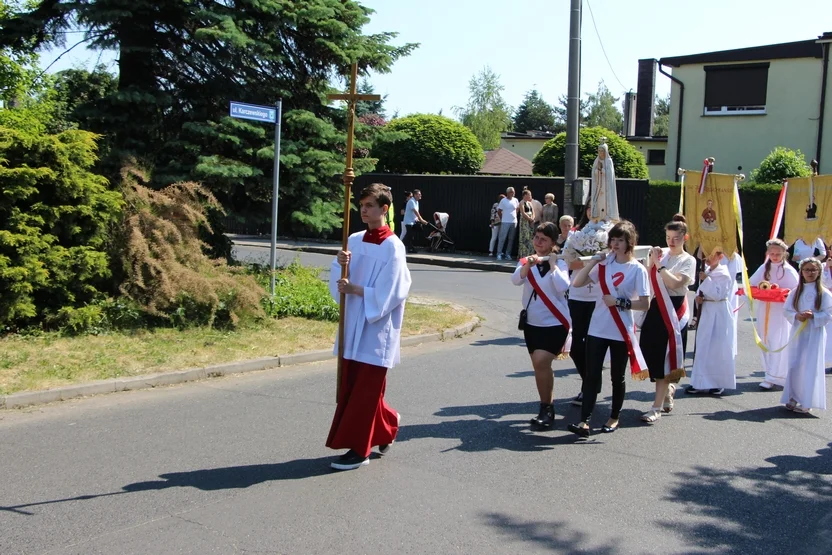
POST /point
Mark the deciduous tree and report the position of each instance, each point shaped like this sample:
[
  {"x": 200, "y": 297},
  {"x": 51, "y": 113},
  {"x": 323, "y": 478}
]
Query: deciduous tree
[{"x": 487, "y": 115}]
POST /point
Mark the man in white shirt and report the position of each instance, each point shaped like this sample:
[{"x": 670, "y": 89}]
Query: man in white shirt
[
  {"x": 507, "y": 209},
  {"x": 412, "y": 220}
]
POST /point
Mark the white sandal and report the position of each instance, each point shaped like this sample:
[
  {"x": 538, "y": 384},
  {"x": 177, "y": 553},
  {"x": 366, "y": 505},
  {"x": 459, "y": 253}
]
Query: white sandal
[
  {"x": 651, "y": 416},
  {"x": 667, "y": 405}
]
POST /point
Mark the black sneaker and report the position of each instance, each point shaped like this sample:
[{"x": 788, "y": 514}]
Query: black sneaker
[
  {"x": 350, "y": 461},
  {"x": 716, "y": 391},
  {"x": 690, "y": 390},
  {"x": 579, "y": 400}
]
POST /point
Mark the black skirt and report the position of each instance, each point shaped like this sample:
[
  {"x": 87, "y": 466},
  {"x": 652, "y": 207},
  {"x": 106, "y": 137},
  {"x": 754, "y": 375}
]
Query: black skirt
[
  {"x": 653, "y": 341},
  {"x": 549, "y": 338}
]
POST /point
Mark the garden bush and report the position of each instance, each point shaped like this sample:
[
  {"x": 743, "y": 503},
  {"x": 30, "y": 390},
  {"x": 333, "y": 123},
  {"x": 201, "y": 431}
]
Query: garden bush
[
  {"x": 781, "y": 164},
  {"x": 433, "y": 144},
  {"x": 56, "y": 218},
  {"x": 299, "y": 291},
  {"x": 662, "y": 203},
  {"x": 628, "y": 161}
]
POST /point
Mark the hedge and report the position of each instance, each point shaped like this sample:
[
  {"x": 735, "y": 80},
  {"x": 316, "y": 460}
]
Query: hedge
[
  {"x": 758, "y": 203},
  {"x": 628, "y": 161}
]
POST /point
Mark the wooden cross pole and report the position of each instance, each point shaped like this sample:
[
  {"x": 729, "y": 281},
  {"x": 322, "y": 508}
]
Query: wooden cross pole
[{"x": 349, "y": 176}]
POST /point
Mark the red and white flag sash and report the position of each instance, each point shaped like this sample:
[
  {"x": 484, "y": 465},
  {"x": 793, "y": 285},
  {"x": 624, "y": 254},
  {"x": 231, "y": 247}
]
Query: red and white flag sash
[
  {"x": 564, "y": 321},
  {"x": 674, "y": 321},
  {"x": 638, "y": 367}
]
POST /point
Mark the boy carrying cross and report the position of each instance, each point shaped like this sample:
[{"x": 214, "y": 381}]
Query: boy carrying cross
[{"x": 375, "y": 290}]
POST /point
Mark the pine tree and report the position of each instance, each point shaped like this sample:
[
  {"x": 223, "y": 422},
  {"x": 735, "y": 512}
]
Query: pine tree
[
  {"x": 180, "y": 64},
  {"x": 535, "y": 114}
]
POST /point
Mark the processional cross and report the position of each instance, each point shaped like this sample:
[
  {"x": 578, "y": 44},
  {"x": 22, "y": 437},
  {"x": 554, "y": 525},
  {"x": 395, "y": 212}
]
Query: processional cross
[{"x": 351, "y": 98}]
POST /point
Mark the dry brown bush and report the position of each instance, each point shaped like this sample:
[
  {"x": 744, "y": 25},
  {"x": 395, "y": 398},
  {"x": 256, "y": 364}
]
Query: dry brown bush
[{"x": 166, "y": 269}]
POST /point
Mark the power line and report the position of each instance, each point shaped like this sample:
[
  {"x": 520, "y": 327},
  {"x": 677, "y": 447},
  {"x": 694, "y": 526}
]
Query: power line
[{"x": 602, "y": 46}]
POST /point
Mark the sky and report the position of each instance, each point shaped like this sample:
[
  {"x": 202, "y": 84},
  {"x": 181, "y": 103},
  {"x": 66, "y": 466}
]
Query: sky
[{"x": 526, "y": 42}]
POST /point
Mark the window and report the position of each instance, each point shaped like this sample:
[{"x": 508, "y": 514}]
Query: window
[
  {"x": 655, "y": 157},
  {"x": 736, "y": 89}
]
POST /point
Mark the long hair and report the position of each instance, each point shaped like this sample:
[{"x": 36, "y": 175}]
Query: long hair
[
  {"x": 801, "y": 282},
  {"x": 584, "y": 218}
]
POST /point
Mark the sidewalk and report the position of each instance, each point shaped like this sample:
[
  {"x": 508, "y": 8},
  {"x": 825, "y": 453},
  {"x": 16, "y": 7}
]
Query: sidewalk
[{"x": 451, "y": 260}]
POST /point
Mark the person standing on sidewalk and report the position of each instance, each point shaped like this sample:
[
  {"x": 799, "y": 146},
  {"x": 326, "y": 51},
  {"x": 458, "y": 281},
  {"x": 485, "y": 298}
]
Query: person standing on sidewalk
[
  {"x": 375, "y": 292},
  {"x": 508, "y": 224},
  {"x": 495, "y": 225},
  {"x": 413, "y": 220}
]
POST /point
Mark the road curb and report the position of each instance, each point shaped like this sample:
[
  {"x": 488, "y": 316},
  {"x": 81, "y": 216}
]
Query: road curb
[
  {"x": 149, "y": 381},
  {"x": 412, "y": 258}
]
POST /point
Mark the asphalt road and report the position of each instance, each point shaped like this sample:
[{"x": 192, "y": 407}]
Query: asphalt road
[{"x": 238, "y": 465}]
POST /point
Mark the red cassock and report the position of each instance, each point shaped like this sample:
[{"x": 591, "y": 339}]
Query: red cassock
[{"x": 362, "y": 418}]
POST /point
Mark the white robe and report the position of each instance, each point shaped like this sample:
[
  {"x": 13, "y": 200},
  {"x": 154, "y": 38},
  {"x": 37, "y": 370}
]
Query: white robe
[
  {"x": 827, "y": 282},
  {"x": 604, "y": 194},
  {"x": 734, "y": 267},
  {"x": 373, "y": 325},
  {"x": 776, "y": 333},
  {"x": 806, "y": 380},
  {"x": 713, "y": 365}
]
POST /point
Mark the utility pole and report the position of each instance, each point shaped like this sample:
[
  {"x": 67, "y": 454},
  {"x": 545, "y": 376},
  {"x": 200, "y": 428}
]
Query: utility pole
[{"x": 573, "y": 105}]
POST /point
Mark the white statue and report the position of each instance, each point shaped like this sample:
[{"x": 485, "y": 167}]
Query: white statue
[{"x": 604, "y": 199}]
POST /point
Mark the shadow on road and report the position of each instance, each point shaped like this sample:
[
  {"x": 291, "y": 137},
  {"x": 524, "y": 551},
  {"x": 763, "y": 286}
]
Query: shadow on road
[
  {"x": 499, "y": 342},
  {"x": 777, "y": 412},
  {"x": 784, "y": 506},
  {"x": 555, "y": 536},
  {"x": 211, "y": 479}
]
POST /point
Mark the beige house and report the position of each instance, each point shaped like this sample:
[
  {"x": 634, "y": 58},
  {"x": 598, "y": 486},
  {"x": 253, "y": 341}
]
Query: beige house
[
  {"x": 737, "y": 105},
  {"x": 528, "y": 144}
]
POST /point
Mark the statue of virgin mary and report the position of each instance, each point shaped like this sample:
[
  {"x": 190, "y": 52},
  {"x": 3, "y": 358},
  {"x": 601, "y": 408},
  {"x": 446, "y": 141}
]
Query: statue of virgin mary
[{"x": 604, "y": 199}]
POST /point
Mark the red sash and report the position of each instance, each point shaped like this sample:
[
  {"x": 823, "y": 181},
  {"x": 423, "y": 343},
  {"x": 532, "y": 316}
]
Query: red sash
[
  {"x": 638, "y": 368},
  {"x": 549, "y": 304},
  {"x": 672, "y": 321}
]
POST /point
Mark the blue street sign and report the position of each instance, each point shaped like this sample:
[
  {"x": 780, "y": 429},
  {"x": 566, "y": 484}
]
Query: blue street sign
[{"x": 266, "y": 114}]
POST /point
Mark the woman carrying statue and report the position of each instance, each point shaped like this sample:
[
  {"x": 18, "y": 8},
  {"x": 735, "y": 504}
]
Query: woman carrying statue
[
  {"x": 671, "y": 271},
  {"x": 546, "y": 322}
]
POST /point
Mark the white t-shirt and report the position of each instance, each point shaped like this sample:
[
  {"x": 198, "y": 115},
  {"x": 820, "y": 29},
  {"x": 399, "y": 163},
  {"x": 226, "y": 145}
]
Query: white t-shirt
[
  {"x": 802, "y": 250},
  {"x": 632, "y": 283},
  {"x": 509, "y": 208},
  {"x": 410, "y": 212}
]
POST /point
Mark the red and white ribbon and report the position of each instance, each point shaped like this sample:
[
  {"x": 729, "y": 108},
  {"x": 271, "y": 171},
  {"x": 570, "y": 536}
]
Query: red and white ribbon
[
  {"x": 706, "y": 169},
  {"x": 674, "y": 320},
  {"x": 778, "y": 213},
  {"x": 638, "y": 367}
]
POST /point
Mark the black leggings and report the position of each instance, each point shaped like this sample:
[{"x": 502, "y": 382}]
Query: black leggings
[
  {"x": 581, "y": 313},
  {"x": 596, "y": 350}
]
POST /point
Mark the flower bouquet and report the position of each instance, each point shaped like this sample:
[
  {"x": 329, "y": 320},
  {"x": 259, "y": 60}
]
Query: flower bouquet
[{"x": 591, "y": 239}]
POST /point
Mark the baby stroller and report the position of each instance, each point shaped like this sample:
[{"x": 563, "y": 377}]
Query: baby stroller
[{"x": 438, "y": 238}]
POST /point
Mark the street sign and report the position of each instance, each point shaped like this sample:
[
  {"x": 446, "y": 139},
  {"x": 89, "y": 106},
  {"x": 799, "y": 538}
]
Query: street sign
[{"x": 265, "y": 114}]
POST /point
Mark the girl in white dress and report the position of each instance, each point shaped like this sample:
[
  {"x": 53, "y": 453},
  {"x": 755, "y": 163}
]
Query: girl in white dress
[
  {"x": 770, "y": 322},
  {"x": 808, "y": 309},
  {"x": 827, "y": 282}
]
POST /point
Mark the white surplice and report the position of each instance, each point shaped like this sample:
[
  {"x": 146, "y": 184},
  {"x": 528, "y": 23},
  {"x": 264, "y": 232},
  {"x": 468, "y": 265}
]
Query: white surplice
[
  {"x": 771, "y": 322},
  {"x": 806, "y": 379},
  {"x": 827, "y": 282},
  {"x": 373, "y": 325},
  {"x": 734, "y": 266},
  {"x": 713, "y": 365}
]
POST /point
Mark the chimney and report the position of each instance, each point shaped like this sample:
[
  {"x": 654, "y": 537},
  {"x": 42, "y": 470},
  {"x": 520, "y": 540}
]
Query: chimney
[
  {"x": 646, "y": 95},
  {"x": 629, "y": 114}
]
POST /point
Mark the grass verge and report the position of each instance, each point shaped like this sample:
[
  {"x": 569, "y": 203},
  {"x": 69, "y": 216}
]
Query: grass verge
[{"x": 30, "y": 363}]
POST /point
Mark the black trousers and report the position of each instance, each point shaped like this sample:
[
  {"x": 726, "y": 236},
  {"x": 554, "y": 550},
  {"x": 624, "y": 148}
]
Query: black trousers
[
  {"x": 410, "y": 237},
  {"x": 596, "y": 350},
  {"x": 581, "y": 313}
]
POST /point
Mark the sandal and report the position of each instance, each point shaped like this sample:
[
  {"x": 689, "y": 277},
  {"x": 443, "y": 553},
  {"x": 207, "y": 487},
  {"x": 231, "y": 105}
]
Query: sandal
[
  {"x": 651, "y": 416},
  {"x": 801, "y": 410},
  {"x": 667, "y": 405},
  {"x": 791, "y": 405},
  {"x": 579, "y": 430}
]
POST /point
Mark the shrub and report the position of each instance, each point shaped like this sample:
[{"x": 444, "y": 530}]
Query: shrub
[
  {"x": 781, "y": 164},
  {"x": 167, "y": 273},
  {"x": 758, "y": 204},
  {"x": 434, "y": 144},
  {"x": 628, "y": 161},
  {"x": 299, "y": 292},
  {"x": 56, "y": 217}
]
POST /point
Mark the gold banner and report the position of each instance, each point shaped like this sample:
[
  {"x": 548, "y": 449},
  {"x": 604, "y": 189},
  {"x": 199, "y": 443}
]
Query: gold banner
[
  {"x": 710, "y": 216},
  {"x": 808, "y": 218}
]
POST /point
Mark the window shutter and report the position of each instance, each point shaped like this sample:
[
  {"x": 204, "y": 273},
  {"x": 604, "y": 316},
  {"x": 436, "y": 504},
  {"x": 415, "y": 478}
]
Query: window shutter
[{"x": 736, "y": 85}]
